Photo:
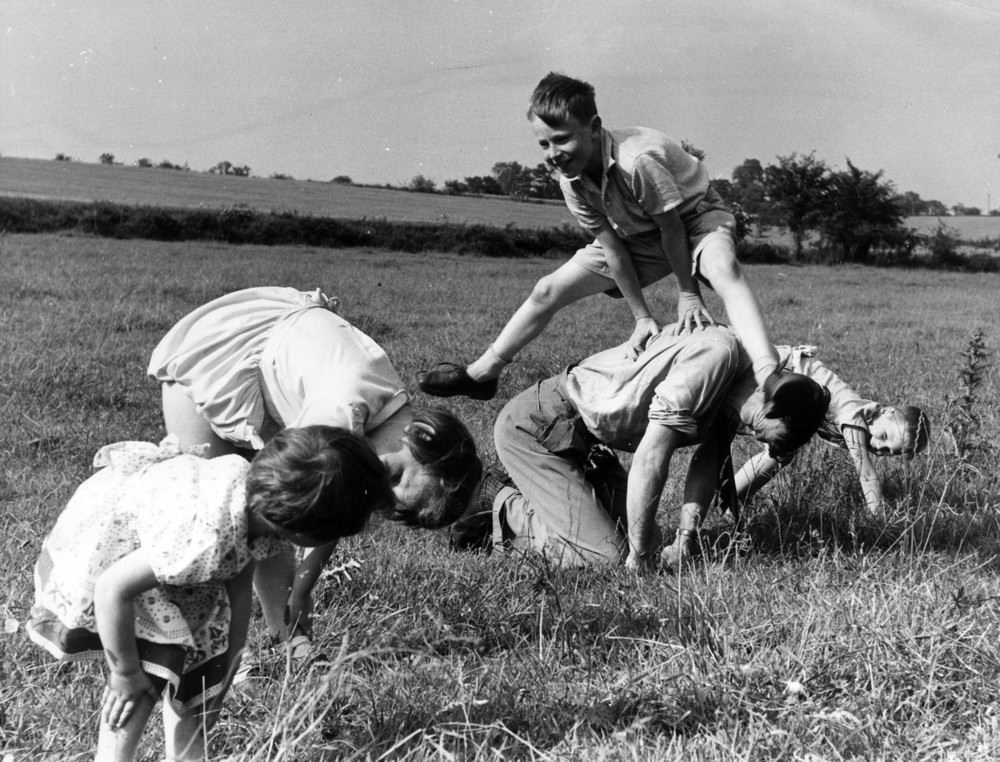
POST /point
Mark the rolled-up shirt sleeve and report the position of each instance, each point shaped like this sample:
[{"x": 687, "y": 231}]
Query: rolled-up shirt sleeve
[{"x": 689, "y": 396}]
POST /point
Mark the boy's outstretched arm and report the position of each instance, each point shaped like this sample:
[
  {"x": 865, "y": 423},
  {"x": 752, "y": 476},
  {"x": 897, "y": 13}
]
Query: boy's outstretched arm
[
  {"x": 691, "y": 311},
  {"x": 856, "y": 440},
  {"x": 623, "y": 271},
  {"x": 646, "y": 479},
  {"x": 754, "y": 474}
]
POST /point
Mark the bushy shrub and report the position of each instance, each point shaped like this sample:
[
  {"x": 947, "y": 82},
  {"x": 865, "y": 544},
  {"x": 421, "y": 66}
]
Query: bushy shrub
[{"x": 756, "y": 252}]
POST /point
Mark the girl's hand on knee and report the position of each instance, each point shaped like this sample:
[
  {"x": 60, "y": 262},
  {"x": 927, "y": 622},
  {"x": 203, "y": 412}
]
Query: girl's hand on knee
[{"x": 121, "y": 696}]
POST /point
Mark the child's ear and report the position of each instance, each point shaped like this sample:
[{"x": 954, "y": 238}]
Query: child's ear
[{"x": 595, "y": 123}]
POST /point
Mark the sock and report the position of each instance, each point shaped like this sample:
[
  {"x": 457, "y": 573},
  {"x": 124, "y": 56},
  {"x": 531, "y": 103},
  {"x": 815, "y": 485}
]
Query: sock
[
  {"x": 489, "y": 366},
  {"x": 762, "y": 368}
]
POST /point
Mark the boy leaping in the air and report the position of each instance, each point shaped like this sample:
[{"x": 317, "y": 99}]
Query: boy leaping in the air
[
  {"x": 863, "y": 427},
  {"x": 652, "y": 212}
]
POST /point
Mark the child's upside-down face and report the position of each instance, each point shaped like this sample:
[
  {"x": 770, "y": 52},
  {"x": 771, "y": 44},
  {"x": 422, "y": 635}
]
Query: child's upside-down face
[{"x": 888, "y": 432}]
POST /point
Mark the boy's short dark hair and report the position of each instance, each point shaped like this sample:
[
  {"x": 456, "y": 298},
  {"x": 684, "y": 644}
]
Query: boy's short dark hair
[
  {"x": 558, "y": 97},
  {"x": 319, "y": 481},
  {"x": 917, "y": 428},
  {"x": 442, "y": 444},
  {"x": 796, "y": 430}
]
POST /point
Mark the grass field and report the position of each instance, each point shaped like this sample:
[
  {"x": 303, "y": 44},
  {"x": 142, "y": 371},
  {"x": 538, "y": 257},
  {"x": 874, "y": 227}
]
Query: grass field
[
  {"x": 816, "y": 638},
  {"x": 77, "y": 181},
  {"x": 74, "y": 181}
]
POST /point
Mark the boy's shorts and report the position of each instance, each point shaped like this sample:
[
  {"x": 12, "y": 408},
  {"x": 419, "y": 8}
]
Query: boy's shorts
[{"x": 705, "y": 222}]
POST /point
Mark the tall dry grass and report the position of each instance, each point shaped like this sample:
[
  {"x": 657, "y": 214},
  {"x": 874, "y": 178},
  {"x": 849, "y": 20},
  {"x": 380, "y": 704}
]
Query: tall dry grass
[{"x": 815, "y": 634}]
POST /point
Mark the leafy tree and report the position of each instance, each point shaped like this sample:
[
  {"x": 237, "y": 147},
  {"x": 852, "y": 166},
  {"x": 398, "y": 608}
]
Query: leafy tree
[
  {"x": 342, "y": 180},
  {"x": 144, "y": 162},
  {"x": 543, "y": 183},
  {"x": 421, "y": 184},
  {"x": 455, "y": 187},
  {"x": 514, "y": 178},
  {"x": 961, "y": 210},
  {"x": 725, "y": 189},
  {"x": 861, "y": 211},
  {"x": 749, "y": 192},
  {"x": 748, "y": 173},
  {"x": 911, "y": 204},
  {"x": 797, "y": 187},
  {"x": 936, "y": 209},
  {"x": 107, "y": 158},
  {"x": 228, "y": 168},
  {"x": 63, "y": 157},
  {"x": 483, "y": 184}
]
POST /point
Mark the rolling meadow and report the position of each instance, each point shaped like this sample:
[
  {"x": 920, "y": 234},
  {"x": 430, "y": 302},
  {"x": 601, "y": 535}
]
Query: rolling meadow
[{"x": 810, "y": 632}]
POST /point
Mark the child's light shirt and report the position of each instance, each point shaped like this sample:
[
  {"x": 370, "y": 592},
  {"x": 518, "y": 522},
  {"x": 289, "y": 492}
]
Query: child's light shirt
[
  {"x": 677, "y": 381},
  {"x": 644, "y": 174},
  {"x": 261, "y": 359},
  {"x": 847, "y": 407},
  {"x": 188, "y": 515},
  {"x": 320, "y": 369}
]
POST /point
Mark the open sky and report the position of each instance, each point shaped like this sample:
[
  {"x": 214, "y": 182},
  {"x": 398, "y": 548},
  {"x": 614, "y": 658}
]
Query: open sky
[{"x": 383, "y": 90}]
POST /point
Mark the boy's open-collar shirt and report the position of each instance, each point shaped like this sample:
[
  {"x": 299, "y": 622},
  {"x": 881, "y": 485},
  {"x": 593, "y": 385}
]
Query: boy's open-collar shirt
[{"x": 644, "y": 174}]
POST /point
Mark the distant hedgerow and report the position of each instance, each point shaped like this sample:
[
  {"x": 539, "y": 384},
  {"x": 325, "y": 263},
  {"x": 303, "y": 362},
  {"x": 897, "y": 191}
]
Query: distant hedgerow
[{"x": 243, "y": 225}]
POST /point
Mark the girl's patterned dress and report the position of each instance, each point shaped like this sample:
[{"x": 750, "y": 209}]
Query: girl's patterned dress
[{"x": 188, "y": 514}]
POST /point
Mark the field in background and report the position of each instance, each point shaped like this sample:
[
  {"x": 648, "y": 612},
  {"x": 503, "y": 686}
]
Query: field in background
[
  {"x": 76, "y": 181},
  {"x": 812, "y": 642}
]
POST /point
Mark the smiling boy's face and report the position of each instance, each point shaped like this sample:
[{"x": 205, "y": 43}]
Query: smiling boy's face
[{"x": 570, "y": 147}]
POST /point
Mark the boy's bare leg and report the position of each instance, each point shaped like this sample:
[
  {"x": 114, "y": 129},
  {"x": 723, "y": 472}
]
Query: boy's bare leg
[
  {"x": 568, "y": 284},
  {"x": 790, "y": 394},
  {"x": 719, "y": 266},
  {"x": 182, "y": 418}
]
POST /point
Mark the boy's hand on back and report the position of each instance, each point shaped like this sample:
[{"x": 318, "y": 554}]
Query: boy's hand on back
[
  {"x": 645, "y": 329},
  {"x": 691, "y": 313}
]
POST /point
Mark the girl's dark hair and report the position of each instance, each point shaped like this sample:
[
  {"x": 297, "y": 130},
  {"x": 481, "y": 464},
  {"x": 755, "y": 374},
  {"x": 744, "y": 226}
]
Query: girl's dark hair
[
  {"x": 442, "y": 444},
  {"x": 558, "y": 97},
  {"x": 319, "y": 481}
]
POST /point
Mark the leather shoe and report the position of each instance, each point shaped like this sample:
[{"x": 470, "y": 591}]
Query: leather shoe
[{"x": 447, "y": 379}]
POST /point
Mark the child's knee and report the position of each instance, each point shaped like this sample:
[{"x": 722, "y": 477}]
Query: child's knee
[
  {"x": 547, "y": 294},
  {"x": 720, "y": 267}
]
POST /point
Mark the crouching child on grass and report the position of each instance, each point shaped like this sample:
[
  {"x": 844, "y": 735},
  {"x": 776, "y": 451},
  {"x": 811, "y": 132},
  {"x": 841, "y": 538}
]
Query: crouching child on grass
[{"x": 151, "y": 565}]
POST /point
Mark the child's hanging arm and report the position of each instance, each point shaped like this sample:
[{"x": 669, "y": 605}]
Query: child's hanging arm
[
  {"x": 114, "y": 610},
  {"x": 856, "y": 440},
  {"x": 623, "y": 272},
  {"x": 691, "y": 310}
]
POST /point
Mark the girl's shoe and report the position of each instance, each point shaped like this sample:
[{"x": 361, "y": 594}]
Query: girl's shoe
[{"x": 446, "y": 379}]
